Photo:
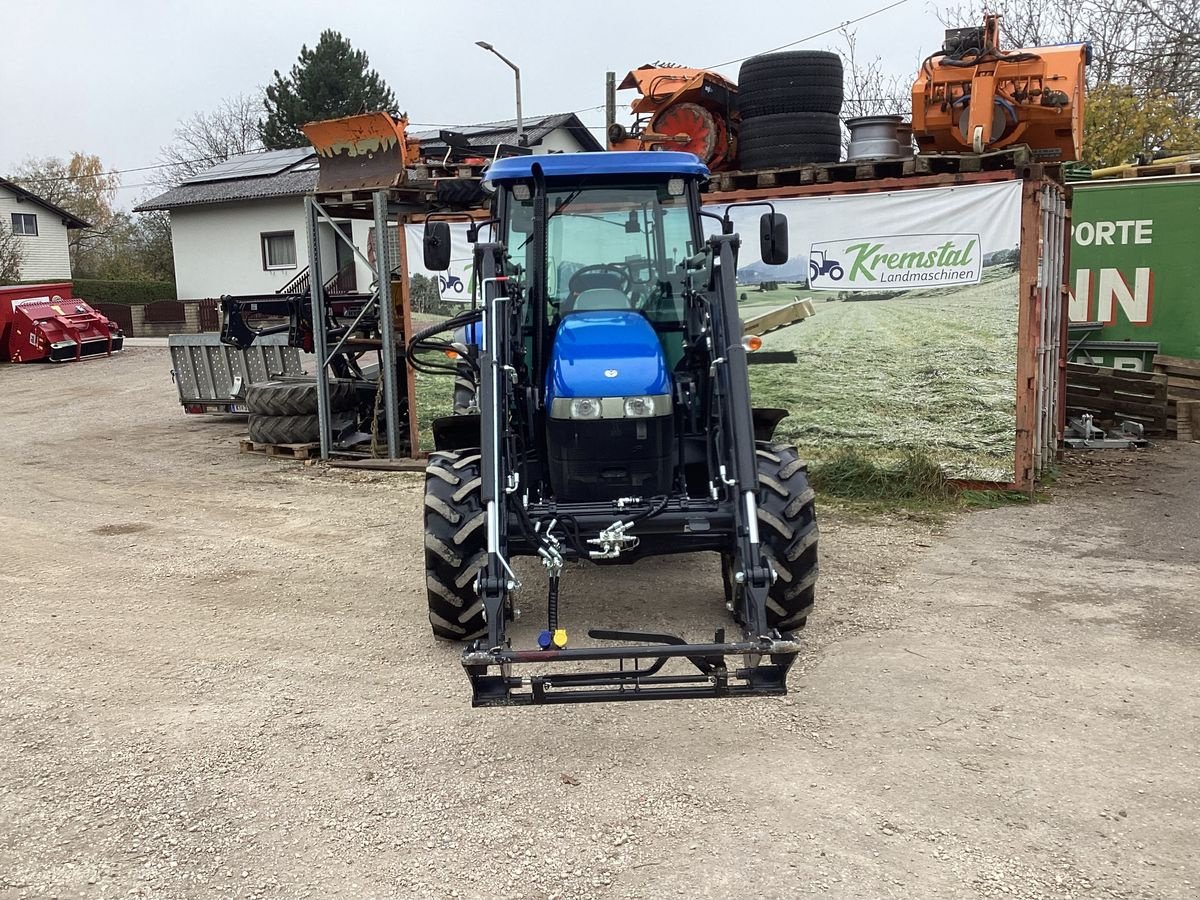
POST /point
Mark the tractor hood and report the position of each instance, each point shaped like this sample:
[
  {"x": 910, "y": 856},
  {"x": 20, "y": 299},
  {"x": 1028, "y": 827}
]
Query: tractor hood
[{"x": 606, "y": 354}]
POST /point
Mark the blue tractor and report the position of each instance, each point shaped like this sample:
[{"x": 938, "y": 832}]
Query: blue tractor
[{"x": 613, "y": 422}]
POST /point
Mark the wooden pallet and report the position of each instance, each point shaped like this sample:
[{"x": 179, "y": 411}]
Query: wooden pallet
[
  {"x": 283, "y": 451},
  {"x": 1183, "y": 383},
  {"x": 869, "y": 170},
  {"x": 1183, "y": 167},
  {"x": 1116, "y": 395}
]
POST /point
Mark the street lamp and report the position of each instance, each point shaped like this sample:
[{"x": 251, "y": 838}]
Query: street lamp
[{"x": 517, "y": 75}]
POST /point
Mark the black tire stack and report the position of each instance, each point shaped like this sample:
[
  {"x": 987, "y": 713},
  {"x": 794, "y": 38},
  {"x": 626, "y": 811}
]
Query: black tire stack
[
  {"x": 790, "y": 105},
  {"x": 285, "y": 412}
]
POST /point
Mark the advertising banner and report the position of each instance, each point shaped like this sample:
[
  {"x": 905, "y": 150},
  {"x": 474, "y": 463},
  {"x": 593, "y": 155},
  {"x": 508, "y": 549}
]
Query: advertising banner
[
  {"x": 914, "y": 341},
  {"x": 1134, "y": 267}
]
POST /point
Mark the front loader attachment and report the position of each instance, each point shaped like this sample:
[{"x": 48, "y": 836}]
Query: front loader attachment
[
  {"x": 367, "y": 152},
  {"x": 639, "y": 671}
]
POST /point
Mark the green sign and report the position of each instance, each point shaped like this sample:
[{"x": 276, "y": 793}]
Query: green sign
[{"x": 1135, "y": 261}]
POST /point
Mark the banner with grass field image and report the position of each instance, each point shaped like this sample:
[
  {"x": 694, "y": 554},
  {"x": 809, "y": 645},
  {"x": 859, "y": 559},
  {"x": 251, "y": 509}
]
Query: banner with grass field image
[{"x": 914, "y": 343}]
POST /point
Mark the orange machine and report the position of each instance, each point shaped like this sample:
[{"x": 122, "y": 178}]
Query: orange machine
[
  {"x": 680, "y": 109},
  {"x": 364, "y": 152},
  {"x": 972, "y": 96}
]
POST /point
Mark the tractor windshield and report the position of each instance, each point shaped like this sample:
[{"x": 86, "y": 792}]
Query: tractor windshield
[{"x": 609, "y": 247}]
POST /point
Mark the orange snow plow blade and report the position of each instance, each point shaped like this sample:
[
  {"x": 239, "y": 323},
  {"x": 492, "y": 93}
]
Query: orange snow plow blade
[{"x": 366, "y": 152}]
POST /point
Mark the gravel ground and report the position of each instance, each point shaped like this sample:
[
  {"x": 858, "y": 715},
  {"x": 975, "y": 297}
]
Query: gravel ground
[{"x": 216, "y": 680}]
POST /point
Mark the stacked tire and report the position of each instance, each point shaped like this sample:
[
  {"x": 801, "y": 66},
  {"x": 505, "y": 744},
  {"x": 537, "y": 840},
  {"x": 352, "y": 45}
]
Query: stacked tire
[
  {"x": 285, "y": 412},
  {"x": 790, "y": 104}
]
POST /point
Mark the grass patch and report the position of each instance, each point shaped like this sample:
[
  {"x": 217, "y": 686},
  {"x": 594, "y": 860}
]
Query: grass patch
[{"x": 854, "y": 473}]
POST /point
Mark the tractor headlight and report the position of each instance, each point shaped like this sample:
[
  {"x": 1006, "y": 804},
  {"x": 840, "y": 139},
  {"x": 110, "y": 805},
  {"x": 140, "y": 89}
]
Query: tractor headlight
[
  {"x": 639, "y": 407},
  {"x": 585, "y": 408}
]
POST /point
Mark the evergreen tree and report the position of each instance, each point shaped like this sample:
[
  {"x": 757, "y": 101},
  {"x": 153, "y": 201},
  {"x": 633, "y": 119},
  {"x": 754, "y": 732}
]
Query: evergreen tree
[{"x": 330, "y": 80}]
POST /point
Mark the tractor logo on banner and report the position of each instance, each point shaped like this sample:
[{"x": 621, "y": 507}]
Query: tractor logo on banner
[{"x": 895, "y": 262}]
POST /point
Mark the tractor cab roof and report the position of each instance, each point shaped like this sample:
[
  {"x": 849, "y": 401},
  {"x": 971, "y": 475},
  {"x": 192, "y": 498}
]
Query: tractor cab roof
[{"x": 613, "y": 162}]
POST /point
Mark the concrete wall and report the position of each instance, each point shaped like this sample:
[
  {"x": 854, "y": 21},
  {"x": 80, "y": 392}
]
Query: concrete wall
[{"x": 46, "y": 254}]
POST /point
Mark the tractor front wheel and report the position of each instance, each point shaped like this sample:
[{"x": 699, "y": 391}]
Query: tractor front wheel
[
  {"x": 787, "y": 530},
  {"x": 455, "y": 544}
]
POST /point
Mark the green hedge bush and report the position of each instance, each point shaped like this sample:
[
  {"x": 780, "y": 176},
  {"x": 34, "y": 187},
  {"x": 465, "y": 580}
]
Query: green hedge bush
[{"x": 96, "y": 290}]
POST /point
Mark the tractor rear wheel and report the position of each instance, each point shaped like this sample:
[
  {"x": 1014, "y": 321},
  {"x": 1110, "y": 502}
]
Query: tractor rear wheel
[
  {"x": 787, "y": 529},
  {"x": 455, "y": 544}
]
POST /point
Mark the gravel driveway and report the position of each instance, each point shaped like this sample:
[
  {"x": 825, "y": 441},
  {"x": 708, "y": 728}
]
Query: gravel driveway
[{"x": 216, "y": 680}]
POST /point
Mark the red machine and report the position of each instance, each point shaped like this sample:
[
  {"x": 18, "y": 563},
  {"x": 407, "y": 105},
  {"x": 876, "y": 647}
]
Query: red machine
[{"x": 43, "y": 321}]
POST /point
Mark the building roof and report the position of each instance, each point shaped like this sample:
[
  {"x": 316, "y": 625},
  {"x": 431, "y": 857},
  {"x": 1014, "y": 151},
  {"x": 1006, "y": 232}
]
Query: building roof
[
  {"x": 293, "y": 173},
  {"x": 628, "y": 162},
  {"x": 69, "y": 219},
  {"x": 505, "y": 132}
]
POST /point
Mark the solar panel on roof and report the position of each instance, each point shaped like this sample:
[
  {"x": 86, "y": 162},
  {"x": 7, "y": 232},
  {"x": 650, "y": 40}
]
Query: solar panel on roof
[{"x": 253, "y": 165}]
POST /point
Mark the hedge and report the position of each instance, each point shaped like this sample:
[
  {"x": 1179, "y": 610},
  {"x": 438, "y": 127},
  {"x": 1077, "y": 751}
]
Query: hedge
[{"x": 96, "y": 290}]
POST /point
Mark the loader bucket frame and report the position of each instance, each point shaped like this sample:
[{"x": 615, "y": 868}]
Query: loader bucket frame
[{"x": 368, "y": 152}]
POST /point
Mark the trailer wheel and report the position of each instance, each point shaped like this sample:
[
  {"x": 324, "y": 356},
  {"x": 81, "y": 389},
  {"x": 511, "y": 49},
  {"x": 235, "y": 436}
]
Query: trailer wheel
[
  {"x": 297, "y": 398},
  {"x": 792, "y": 81},
  {"x": 455, "y": 544},
  {"x": 787, "y": 528}
]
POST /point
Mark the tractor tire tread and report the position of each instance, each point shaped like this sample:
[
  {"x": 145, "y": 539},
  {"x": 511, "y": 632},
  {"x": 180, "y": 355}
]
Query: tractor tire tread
[
  {"x": 297, "y": 398},
  {"x": 266, "y": 429},
  {"x": 790, "y": 541},
  {"x": 454, "y": 547}
]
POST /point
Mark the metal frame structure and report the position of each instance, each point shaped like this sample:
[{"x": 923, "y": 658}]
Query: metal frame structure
[{"x": 380, "y": 209}]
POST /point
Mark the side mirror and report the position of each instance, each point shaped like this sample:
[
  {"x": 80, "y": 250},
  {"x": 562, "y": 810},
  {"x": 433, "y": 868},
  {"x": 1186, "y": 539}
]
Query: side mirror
[
  {"x": 437, "y": 246},
  {"x": 773, "y": 238}
]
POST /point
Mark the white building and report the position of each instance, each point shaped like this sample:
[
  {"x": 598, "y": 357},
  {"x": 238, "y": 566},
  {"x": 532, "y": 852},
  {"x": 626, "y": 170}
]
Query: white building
[
  {"x": 239, "y": 227},
  {"x": 42, "y": 229}
]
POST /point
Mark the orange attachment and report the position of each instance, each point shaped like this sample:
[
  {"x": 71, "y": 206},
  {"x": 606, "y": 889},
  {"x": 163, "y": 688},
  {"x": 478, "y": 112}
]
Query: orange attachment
[
  {"x": 365, "y": 152},
  {"x": 679, "y": 109},
  {"x": 972, "y": 96}
]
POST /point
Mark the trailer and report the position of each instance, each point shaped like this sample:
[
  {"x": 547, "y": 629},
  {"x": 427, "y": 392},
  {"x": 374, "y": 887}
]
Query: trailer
[{"x": 211, "y": 376}]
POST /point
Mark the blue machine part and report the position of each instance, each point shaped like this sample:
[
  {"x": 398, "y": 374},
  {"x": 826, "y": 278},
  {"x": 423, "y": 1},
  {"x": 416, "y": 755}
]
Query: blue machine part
[
  {"x": 607, "y": 353},
  {"x": 471, "y": 335},
  {"x": 612, "y": 162}
]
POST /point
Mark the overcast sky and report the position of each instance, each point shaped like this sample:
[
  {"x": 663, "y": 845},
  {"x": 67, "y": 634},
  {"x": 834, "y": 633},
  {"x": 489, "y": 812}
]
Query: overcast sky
[{"x": 114, "y": 78}]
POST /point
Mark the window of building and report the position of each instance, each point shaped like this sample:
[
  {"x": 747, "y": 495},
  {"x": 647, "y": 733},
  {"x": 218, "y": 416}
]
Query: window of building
[
  {"x": 279, "y": 250},
  {"x": 24, "y": 223}
]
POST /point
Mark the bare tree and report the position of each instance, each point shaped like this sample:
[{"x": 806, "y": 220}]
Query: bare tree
[
  {"x": 12, "y": 255},
  {"x": 871, "y": 91},
  {"x": 207, "y": 138}
]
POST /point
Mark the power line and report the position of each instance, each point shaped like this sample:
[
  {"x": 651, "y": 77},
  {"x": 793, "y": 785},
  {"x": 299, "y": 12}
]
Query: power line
[{"x": 802, "y": 40}]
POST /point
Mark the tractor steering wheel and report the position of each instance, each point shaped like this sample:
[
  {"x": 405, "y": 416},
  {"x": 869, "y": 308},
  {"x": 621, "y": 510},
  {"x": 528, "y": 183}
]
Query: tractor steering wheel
[{"x": 576, "y": 283}]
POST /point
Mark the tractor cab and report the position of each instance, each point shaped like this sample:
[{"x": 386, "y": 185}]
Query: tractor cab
[
  {"x": 598, "y": 247},
  {"x": 608, "y": 257}
]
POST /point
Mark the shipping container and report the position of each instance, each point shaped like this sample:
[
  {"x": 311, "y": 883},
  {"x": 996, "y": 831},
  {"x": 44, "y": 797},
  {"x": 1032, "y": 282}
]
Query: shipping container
[{"x": 1135, "y": 270}]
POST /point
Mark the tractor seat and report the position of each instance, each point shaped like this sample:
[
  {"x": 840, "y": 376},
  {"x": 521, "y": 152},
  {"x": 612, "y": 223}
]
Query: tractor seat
[{"x": 595, "y": 299}]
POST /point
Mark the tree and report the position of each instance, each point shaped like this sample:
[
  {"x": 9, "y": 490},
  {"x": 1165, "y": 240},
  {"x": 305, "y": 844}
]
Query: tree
[
  {"x": 327, "y": 82},
  {"x": 83, "y": 188},
  {"x": 1120, "y": 125},
  {"x": 870, "y": 91},
  {"x": 12, "y": 255},
  {"x": 207, "y": 138}
]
